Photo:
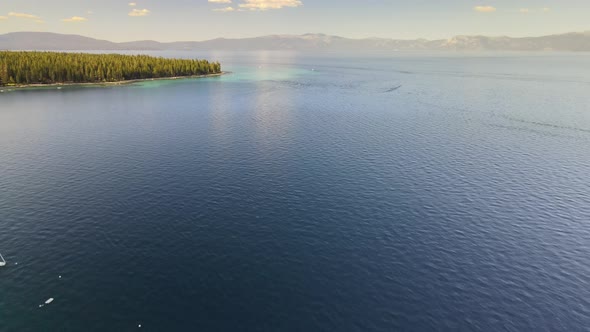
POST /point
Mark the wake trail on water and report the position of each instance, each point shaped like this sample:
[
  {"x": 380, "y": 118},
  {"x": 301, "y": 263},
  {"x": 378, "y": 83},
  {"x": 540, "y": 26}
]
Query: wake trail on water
[{"x": 547, "y": 125}]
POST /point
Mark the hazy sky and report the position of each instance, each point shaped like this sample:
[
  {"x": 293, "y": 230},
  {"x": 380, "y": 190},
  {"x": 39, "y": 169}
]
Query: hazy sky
[{"x": 172, "y": 20}]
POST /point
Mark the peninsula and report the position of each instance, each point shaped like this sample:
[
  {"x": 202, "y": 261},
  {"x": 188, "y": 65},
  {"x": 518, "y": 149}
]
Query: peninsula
[{"x": 21, "y": 69}]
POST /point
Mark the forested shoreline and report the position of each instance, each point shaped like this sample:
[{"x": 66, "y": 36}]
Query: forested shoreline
[{"x": 26, "y": 68}]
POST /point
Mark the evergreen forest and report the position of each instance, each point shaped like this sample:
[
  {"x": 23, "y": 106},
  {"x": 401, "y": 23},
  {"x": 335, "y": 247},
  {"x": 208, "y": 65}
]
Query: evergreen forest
[{"x": 23, "y": 68}]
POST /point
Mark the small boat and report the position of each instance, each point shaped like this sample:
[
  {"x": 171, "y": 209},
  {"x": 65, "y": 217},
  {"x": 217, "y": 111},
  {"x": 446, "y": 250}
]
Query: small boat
[{"x": 2, "y": 261}]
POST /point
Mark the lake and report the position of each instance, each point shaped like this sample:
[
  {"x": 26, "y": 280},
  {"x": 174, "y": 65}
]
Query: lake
[{"x": 324, "y": 192}]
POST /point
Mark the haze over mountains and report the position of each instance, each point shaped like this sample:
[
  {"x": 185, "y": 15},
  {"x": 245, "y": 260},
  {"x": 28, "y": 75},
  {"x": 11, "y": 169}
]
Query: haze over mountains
[{"x": 575, "y": 41}]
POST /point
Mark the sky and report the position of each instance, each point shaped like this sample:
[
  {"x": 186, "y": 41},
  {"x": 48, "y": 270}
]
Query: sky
[{"x": 184, "y": 20}]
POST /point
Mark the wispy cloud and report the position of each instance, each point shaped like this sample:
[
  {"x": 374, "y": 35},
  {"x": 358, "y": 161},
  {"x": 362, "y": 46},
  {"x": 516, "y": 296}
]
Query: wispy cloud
[
  {"x": 75, "y": 19},
  {"x": 24, "y": 15},
  {"x": 484, "y": 9},
  {"x": 133, "y": 4},
  {"x": 546, "y": 10},
  {"x": 269, "y": 4},
  {"x": 226, "y": 9},
  {"x": 3, "y": 18},
  {"x": 139, "y": 12},
  {"x": 524, "y": 10},
  {"x": 220, "y": 1}
]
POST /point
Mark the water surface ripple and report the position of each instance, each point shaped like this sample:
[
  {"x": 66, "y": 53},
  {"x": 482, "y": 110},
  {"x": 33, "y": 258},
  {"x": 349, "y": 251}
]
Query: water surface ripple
[{"x": 303, "y": 193}]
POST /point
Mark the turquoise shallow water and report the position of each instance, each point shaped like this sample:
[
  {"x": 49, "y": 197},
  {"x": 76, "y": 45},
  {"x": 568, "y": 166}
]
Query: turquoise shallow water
[{"x": 303, "y": 192}]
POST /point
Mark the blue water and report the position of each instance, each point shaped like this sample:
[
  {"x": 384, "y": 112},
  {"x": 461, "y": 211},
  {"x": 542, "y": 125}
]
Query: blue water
[{"x": 303, "y": 193}]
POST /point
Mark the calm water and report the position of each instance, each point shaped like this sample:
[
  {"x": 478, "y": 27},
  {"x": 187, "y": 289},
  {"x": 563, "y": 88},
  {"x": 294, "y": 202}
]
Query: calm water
[{"x": 303, "y": 193}]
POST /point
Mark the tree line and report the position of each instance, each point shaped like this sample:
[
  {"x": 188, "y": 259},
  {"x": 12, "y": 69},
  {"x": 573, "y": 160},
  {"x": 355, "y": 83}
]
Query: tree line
[{"x": 18, "y": 68}]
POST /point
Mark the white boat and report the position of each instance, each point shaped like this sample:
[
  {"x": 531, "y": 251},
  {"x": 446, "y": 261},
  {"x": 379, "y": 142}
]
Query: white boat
[{"x": 2, "y": 261}]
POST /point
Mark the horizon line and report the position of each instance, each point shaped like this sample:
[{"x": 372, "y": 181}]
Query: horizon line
[{"x": 299, "y": 35}]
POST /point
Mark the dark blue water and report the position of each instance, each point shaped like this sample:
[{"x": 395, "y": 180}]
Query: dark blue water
[{"x": 303, "y": 193}]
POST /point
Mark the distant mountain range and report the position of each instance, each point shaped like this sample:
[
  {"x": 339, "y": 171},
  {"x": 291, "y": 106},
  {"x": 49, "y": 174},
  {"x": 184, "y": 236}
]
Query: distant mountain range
[{"x": 575, "y": 41}]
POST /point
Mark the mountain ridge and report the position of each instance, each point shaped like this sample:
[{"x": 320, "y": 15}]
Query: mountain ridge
[{"x": 572, "y": 41}]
